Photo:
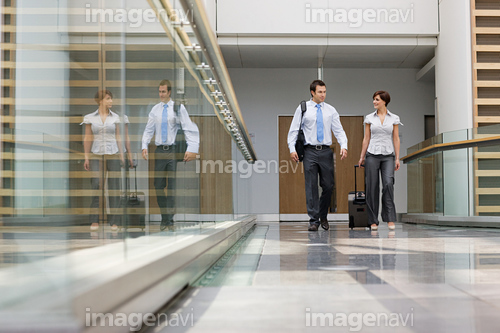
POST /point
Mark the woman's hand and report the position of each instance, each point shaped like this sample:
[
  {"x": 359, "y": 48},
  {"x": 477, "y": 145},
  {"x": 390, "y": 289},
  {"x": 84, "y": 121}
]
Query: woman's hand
[
  {"x": 131, "y": 161},
  {"x": 361, "y": 162},
  {"x": 122, "y": 159},
  {"x": 397, "y": 165},
  {"x": 86, "y": 164}
]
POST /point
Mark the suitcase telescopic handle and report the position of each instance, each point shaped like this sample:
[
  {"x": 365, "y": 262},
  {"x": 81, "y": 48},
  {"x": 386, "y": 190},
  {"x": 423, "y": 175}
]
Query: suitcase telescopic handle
[{"x": 356, "y": 179}]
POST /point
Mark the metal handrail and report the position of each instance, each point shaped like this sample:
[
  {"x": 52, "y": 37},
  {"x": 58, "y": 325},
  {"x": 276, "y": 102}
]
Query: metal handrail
[
  {"x": 224, "y": 100},
  {"x": 482, "y": 142}
]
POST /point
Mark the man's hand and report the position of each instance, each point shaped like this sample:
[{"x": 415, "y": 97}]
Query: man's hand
[
  {"x": 343, "y": 154},
  {"x": 189, "y": 156},
  {"x": 145, "y": 154},
  {"x": 294, "y": 157}
]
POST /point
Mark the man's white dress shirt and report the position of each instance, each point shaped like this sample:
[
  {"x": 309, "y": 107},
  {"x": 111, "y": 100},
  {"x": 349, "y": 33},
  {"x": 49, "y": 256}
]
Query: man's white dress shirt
[
  {"x": 175, "y": 122},
  {"x": 331, "y": 123}
]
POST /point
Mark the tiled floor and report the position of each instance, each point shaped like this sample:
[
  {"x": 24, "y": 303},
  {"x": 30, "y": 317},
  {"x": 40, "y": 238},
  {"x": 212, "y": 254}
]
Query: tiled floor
[{"x": 286, "y": 279}]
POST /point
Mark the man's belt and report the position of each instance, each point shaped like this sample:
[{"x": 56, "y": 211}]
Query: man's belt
[
  {"x": 317, "y": 147},
  {"x": 166, "y": 147}
]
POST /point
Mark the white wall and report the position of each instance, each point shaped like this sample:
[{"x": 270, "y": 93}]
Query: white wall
[
  {"x": 263, "y": 94},
  {"x": 299, "y": 17},
  {"x": 454, "y": 67}
]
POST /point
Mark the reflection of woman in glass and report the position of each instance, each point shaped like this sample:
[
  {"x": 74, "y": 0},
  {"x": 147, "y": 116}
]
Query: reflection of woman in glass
[
  {"x": 103, "y": 140},
  {"x": 380, "y": 156}
]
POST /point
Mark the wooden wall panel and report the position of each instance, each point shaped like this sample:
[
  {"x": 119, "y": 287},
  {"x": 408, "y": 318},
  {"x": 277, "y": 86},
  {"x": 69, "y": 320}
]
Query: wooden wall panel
[
  {"x": 292, "y": 192},
  {"x": 485, "y": 38}
]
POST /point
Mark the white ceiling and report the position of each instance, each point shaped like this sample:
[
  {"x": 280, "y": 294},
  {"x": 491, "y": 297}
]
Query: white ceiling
[{"x": 332, "y": 56}]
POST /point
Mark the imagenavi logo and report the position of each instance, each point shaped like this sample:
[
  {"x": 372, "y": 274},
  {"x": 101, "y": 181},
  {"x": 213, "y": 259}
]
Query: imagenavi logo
[{"x": 356, "y": 17}]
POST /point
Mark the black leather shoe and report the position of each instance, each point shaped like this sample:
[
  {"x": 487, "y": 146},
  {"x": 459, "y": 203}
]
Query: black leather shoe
[
  {"x": 324, "y": 223},
  {"x": 165, "y": 225},
  {"x": 313, "y": 227}
]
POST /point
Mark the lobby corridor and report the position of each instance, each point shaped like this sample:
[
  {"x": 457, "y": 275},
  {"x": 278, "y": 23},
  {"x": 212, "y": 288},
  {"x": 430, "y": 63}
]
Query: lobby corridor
[{"x": 282, "y": 278}]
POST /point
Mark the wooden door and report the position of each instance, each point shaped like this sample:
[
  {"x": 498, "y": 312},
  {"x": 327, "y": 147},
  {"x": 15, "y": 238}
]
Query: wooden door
[
  {"x": 291, "y": 178},
  {"x": 344, "y": 170}
]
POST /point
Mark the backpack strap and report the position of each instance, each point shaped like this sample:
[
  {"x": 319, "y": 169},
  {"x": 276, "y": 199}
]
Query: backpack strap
[
  {"x": 303, "y": 107},
  {"x": 176, "y": 110}
]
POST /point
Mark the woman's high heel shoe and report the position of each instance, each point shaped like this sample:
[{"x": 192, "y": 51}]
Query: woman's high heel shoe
[
  {"x": 94, "y": 227},
  {"x": 374, "y": 227},
  {"x": 391, "y": 226}
]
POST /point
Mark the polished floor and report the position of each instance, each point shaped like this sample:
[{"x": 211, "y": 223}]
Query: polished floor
[{"x": 282, "y": 278}]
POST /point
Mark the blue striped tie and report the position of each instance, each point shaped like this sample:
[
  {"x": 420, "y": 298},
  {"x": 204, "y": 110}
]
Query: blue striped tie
[
  {"x": 319, "y": 123},
  {"x": 164, "y": 125}
]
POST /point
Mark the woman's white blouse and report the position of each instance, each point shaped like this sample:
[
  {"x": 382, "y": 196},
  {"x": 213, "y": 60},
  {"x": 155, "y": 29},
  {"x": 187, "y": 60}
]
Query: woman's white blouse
[
  {"x": 381, "y": 142},
  {"x": 104, "y": 133}
]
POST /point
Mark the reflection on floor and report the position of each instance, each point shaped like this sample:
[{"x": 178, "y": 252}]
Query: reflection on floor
[
  {"x": 20, "y": 245},
  {"x": 286, "y": 279}
]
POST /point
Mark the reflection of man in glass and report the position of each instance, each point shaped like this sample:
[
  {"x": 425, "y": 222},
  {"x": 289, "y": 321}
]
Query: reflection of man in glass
[{"x": 165, "y": 119}]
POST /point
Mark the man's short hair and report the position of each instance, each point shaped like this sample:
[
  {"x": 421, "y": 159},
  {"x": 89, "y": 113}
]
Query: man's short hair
[
  {"x": 384, "y": 95},
  {"x": 99, "y": 96},
  {"x": 316, "y": 83},
  {"x": 166, "y": 83}
]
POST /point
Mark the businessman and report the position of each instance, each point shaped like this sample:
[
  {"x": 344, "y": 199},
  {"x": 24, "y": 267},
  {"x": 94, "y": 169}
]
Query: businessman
[
  {"x": 165, "y": 120},
  {"x": 318, "y": 122}
]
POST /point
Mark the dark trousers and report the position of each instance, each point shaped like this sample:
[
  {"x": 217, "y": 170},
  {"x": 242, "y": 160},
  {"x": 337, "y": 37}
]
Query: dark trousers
[
  {"x": 383, "y": 166},
  {"x": 165, "y": 168},
  {"x": 318, "y": 163},
  {"x": 99, "y": 166}
]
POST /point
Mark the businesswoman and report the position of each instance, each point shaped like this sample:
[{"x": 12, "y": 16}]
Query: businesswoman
[
  {"x": 380, "y": 156},
  {"x": 104, "y": 153}
]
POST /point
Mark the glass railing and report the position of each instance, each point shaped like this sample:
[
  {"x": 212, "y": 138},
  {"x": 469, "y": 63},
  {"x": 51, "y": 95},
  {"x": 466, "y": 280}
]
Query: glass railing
[
  {"x": 56, "y": 57},
  {"x": 456, "y": 173}
]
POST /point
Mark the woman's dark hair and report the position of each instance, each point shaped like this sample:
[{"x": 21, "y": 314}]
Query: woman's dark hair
[
  {"x": 316, "y": 83},
  {"x": 99, "y": 96},
  {"x": 384, "y": 95}
]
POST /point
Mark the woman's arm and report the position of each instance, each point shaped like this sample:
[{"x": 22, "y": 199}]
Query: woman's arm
[
  {"x": 364, "y": 147},
  {"x": 397, "y": 145},
  {"x": 119, "y": 143},
  {"x": 127, "y": 146},
  {"x": 87, "y": 144}
]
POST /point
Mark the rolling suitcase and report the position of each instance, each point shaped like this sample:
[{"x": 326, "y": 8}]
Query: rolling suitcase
[
  {"x": 134, "y": 204},
  {"x": 358, "y": 215}
]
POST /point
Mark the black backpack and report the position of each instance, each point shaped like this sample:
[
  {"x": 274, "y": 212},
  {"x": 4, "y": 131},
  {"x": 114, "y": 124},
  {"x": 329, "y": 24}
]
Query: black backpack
[
  {"x": 180, "y": 139},
  {"x": 301, "y": 140}
]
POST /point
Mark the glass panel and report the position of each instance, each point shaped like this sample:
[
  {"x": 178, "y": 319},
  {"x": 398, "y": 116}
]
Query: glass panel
[
  {"x": 456, "y": 176},
  {"x": 463, "y": 181},
  {"x": 65, "y": 155}
]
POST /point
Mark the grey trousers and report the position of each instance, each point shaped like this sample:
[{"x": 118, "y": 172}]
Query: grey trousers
[
  {"x": 165, "y": 168},
  {"x": 318, "y": 163},
  {"x": 99, "y": 167},
  {"x": 383, "y": 166}
]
